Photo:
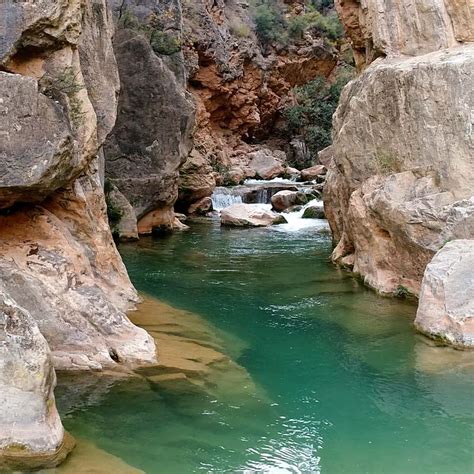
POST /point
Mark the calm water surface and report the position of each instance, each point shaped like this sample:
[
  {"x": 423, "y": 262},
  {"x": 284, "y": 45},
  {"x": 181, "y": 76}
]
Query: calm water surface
[{"x": 344, "y": 383}]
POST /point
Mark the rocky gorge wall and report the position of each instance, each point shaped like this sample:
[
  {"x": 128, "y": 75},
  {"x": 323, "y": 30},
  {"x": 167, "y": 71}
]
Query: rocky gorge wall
[
  {"x": 64, "y": 290},
  {"x": 400, "y": 185},
  {"x": 197, "y": 85}
]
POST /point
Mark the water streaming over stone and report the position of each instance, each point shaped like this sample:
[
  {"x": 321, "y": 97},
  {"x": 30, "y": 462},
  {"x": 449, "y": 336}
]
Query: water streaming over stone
[{"x": 224, "y": 197}]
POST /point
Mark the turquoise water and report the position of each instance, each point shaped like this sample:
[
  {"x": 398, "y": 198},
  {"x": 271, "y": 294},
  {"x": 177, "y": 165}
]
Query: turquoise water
[{"x": 342, "y": 382}]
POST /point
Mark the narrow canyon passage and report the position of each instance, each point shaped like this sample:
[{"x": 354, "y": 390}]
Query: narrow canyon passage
[{"x": 320, "y": 375}]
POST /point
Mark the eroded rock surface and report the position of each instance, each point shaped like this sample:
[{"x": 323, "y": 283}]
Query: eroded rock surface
[
  {"x": 29, "y": 422},
  {"x": 391, "y": 28},
  {"x": 152, "y": 136},
  {"x": 446, "y": 309}
]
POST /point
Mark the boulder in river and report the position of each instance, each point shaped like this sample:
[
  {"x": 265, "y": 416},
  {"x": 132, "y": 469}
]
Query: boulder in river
[
  {"x": 446, "y": 308},
  {"x": 314, "y": 211},
  {"x": 201, "y": 207},
  {"x": 31, "y": 433},
  {"x": 313, "y": 173},
  {"x": 249, "y": 215},
  {"x": 284, "y": 199}
]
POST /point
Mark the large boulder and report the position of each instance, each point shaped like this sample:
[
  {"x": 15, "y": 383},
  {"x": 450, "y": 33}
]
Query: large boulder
[
  {"x": 403, "y": 171},
  {"x": 313, "y": 173},
  {"x": 284, "y": 199},
  {"x": 266, "y": 165},
  {"x": 196, "y": 180},
  {"x": 446, "y": 308},
  {"x": 249, "y": 215},
  {"x": 314, "y": 211}
]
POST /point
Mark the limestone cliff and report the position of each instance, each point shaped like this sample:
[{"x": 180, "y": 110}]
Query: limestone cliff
[
  {"x": 64, "y": 289},
  {"x": 400, "y": 185}
]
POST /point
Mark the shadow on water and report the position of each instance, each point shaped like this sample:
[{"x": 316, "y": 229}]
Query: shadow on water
[{"x": 274, "y": 361}]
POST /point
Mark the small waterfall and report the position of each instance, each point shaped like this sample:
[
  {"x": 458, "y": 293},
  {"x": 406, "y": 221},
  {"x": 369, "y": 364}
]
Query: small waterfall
[{"x": 223, "y": 197}]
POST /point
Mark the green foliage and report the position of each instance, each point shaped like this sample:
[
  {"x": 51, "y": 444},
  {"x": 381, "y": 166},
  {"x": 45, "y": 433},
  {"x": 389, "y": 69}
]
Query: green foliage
[
  {"x": 269, "y": 22},
  {"x": 319, "y": 19},
  {"x": 327, "y": 26},
  {"x": 161, "y": 41},
  {"x": 311, "y": 117},
  {"x": 164, "y": 43},
  {"x": 402, "y": 292},
  {"x": 65, "y": 89},
  {"x": 240, "y": 29}
]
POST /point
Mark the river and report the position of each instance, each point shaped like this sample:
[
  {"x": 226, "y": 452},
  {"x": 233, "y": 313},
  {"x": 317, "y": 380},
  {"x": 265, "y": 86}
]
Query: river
[{"x": 320, "y": 374}]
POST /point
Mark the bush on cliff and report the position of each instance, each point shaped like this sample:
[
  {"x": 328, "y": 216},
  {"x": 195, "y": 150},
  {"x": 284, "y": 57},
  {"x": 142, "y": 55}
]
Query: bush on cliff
[
  {"x": 310, "y": 118},
  {"x": 269, "y": 22}
]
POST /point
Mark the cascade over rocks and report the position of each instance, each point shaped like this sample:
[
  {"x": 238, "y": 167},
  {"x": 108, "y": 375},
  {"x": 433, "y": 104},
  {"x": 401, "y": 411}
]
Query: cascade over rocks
[
  {"x": 400, "y": 183},
  {"x": 64, "y": 290},
  {"x": 239, "y": 91}
]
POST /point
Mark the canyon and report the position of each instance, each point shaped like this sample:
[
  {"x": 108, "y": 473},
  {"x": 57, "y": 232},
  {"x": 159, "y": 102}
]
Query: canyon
[{"x": 117, "y": 116}]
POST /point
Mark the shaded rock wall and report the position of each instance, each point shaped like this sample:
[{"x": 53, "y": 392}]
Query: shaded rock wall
[
  {"x": 400, "y": 185},
  {"x": 153, "y": 134}
]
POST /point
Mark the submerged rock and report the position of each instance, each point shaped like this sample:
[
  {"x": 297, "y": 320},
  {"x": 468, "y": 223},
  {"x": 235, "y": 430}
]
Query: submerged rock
[
  {"x": 446, "y": 308},
  {"x": 249, "y": 215}
]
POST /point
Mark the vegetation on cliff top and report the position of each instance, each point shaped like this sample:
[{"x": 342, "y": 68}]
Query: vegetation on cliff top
[{"x": 317, "y": 18}]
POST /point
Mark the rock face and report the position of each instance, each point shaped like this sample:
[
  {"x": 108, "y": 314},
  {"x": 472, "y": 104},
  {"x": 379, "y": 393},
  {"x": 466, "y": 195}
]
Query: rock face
[
  {"x": 393, "y": 28},
  {"x": 400, "y": 184},
  {"x": 446, "y": 309},
  {"x": 239, "y": 90},
  {"x": 152, "y": 136},
  {"x": 249, "y": 215},
  {"x": 64, "y": 290}
]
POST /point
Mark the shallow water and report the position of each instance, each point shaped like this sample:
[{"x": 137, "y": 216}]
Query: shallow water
[{"x": 322, "y": 376}]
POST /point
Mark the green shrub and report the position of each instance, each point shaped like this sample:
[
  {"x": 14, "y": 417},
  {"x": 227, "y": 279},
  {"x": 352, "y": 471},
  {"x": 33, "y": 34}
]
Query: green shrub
[
  {"x": 311, "y": 117},
  {"x": 269, "y": 23},
  {"x": 402, "y": 292},
  {"x": 297, "y": 26},
  {"x": 164, "y": 43},
  {"x": 161, "y": 41},
  {"x": 240, "y": 29}
]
